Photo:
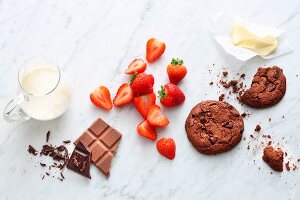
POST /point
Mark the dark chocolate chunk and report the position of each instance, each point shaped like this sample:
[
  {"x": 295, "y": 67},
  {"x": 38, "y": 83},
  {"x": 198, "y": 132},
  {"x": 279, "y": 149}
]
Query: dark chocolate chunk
[
  {"x": 80, "y": 160},
  {"x": 67, "y": 141}
]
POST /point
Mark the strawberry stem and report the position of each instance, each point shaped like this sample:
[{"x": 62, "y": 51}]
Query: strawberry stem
[
  {"x": 133, "y": 77},
  {"x": 176, "y": 61},
  {"x": 162, "y": 93}
]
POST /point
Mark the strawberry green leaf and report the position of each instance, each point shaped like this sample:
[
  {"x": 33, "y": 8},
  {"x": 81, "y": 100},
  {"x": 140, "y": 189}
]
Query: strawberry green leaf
[{"x": 176, "y": 61}]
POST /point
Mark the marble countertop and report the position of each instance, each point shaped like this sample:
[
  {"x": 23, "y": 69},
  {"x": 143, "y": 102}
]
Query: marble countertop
[{"x": 93, "y": 42}]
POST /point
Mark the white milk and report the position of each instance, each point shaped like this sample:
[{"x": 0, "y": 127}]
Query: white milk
[{"x": 48, "y": 97}]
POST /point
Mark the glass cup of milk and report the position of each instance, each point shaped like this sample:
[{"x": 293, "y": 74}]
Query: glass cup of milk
[{"x": 43, "y": 93}]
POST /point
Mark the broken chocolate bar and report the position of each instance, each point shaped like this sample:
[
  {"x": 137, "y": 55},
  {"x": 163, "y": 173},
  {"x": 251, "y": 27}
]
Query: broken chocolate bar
[
  {"x": 80, "y": 160},
  {"x": 102, "y": 141}
]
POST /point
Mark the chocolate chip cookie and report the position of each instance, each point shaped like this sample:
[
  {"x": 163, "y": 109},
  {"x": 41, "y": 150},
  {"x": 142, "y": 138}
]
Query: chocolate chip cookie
[
  {"x": 267, "y": 89},
  {"x": 274, "y": 158},
  {"x": 214, "y": 127}
]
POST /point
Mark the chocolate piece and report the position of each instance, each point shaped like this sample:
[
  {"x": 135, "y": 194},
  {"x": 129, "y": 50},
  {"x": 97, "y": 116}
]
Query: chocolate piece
[
  {"x": 47, "y": 136},
  {"x": 67, "y": 141},
  {"x": 103, "y": 141},
  {"x": 32, "y": 150},
  {"x": 80, "y": 160}
]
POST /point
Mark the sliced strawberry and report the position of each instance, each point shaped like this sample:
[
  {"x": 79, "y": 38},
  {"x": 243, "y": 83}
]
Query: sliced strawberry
[
  {"x": 137, "y": 65},
  {"x": 166, "y": 147},
  {"x": 156, "y": 117},
  {"x": 143, "y": 103},
  {"x": 100, "y": 97},
  {"x": 124, "y": 95},
  {"x": 146, "y": 130},
  {"x": 154, "y": 49}
]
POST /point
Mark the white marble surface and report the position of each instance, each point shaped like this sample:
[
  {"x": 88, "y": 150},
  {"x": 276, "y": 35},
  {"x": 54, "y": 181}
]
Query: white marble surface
[{"x": 93, "y": 41}]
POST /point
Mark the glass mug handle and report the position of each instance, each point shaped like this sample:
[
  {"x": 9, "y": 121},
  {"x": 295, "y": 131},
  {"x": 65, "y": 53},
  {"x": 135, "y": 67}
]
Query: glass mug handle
[{"x": 13, "y": 112}]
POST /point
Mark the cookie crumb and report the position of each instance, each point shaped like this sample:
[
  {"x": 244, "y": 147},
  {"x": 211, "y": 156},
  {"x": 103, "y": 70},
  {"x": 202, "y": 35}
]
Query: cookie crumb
[
  {"x": 225, "y": 73},
  {"x": 243, "y": 114},
  {"x": 221, "y": 97},
  {"x": 274, "y": 158},
  {"x": 287, "y": 166},
  {"x": 257, "y": 128}
]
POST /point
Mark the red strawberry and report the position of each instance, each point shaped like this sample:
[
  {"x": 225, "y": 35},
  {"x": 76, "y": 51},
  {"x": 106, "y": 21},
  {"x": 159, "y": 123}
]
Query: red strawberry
[
  {"x": 124, "y": 95},
  {"x": 176, "y": 70},
  {"x": 146, "y": 130},
  {"x": 154, "y": 49},
  {"x": 100, "y": 97},
  {"x": 151, "y": 78},
  {"x": 156, "y": 117},
  {"x": 170, "y": 95},
  {"x": 143, "y": 103},
  {"x": 137, "y": 65},
  {"x": 166, "y": 147},
  {"x": 142, "y": 84}
]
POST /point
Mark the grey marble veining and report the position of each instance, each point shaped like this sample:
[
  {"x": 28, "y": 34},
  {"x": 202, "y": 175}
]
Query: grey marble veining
[{"x": 93, "y": 42}]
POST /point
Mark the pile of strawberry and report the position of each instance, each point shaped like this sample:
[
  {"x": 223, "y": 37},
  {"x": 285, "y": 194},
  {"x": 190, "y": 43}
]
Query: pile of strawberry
[{"x": 140, "y": 91}]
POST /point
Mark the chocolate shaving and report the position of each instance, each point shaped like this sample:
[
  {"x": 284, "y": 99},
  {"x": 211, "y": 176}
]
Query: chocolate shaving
[
  {"x": 67, "y": 141},
  {"x": 47, "y": 149},
  {"x": 47, "y": 136},
  {"x": 32, "y": 150},
  {"x": 43, "y": 165},
  {"x": 62, "y": 175}
]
